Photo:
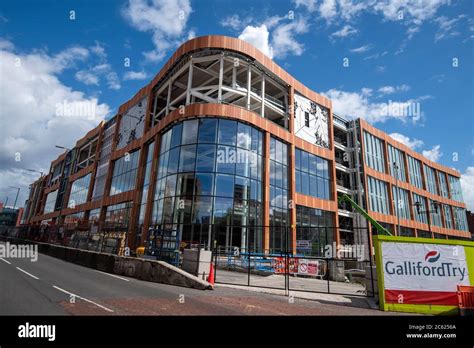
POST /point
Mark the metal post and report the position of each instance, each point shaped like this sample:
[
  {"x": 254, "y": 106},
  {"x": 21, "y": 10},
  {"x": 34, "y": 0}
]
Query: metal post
[
  {"x": 221, "y": 77},
  {"x": 249, "y": 85},
  {"x": 190, "y": 82},
  {"x": 263, "y": 95},
  {"x": 395, "y": 165}
]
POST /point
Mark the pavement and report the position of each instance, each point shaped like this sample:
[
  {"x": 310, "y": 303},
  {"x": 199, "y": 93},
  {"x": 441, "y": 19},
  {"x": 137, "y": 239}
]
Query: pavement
[{"x": 52, "y": 286}]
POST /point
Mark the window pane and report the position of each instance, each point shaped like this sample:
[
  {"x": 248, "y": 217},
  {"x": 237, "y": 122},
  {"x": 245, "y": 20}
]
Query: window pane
[
  {"x": 187, "y": 158},
  {"x": 224, "y": 185},
  {"x": 176, "y": 135},
  {"x": 190, "y": 129},
  {"x": 206, "y": 155},
  {"x": 227, "y": 132},
  {"x": 204, "y": 184},
  {"x": 207, "y": 130}
]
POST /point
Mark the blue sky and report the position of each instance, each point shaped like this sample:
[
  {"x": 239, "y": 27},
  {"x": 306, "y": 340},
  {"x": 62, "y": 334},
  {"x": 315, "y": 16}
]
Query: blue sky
[{"x": 400, "y": 52}]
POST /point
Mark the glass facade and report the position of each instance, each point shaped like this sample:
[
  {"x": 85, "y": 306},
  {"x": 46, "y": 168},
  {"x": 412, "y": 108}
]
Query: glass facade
[
  {"x": 50, "y": 202},
  {"x": 435, "y": 214},
  {"x": 448, "y": 219},
  {"x": 125, "y": 173},
  {"x": 312, "y": 175},
  {"x": 396, "y": 158},
  {"x": 79, "y": 191},
  {"x": 460, "y": 219},
  {"x": 146, "y": 184},
  {"x": 73, "y": 219},
  {"x": 443, "y": 185},
  {"x": 455, "y": 188},
  {"x": 378, "y": 196},
  {"x": 374, "y": 157},
  {"x": 430, "y": 178},
  {"x": 209, "y": 180},
  {"x": 314, "y": 230},
  {"x": 117, "y": 216},
  {"x": 420, "y": 217},
  {"x": 414, "y": 170},
  {"x": 402, "y": 203},
  {"x": 94, "y": 215},
  {"x": 279, "y": 213}
]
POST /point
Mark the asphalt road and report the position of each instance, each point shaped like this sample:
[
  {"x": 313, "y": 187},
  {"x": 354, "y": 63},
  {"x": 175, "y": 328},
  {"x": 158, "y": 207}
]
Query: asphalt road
[{"x": 52, "y": 286}]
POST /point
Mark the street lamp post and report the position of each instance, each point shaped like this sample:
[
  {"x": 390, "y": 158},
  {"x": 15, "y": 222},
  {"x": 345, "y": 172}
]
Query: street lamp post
[
  {"x": 35, "y": 171},
  {"x": 17, "y": 193},
  {"x": 396, "y": 167}
]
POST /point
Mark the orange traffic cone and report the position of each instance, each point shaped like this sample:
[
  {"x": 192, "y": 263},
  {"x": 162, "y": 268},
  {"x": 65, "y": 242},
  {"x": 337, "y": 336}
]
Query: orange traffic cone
[{"x": 210, "y": 279}]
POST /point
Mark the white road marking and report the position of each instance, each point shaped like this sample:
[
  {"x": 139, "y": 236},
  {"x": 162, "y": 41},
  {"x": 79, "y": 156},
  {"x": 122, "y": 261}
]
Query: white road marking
[
  {"x": 1, "y": 258},
  {"x": 113, "y": 275},
  {"x": 31, "y": 275},
  {"x": 84, "y": 299}
]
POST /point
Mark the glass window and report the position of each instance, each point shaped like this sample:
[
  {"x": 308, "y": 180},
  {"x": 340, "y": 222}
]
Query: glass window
[
  {"x": 414, "y": 169},
  {"x": 204, "y": 184},
  {"x": 224, "y": 185},
  {"x": 374, "y": 157},
  {"x": 227, "y": 132},
  {"x": 187, "y": 158},
  {"x": 312, "y": 175},
  {"x": 207, "y": 130},
  {"x": 176, "y": 135},
  {"x": 190, "y": 131},
  {"x": 455, "y": 188},
  {"x": 224, "y": 166},
  {"x": 378, "y": 197},
  {"x": 205, "y": 158},
  {"x": 397, "y": 163},
  {"x": 125, "y": 173}
]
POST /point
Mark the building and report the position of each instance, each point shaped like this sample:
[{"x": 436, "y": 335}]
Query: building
[
  {"x": 470, "y": 223},
  {"x": 224, "y": 145},
  {"x": 9, "y": 217}
]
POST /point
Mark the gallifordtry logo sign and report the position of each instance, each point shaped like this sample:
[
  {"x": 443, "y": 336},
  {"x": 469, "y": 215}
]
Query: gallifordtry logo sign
[{"x": 429, "y": 267}]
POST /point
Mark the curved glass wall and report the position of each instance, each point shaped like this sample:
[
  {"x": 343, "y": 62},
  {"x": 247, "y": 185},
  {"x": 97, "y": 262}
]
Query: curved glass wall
[{"x": 209, "y": 184}]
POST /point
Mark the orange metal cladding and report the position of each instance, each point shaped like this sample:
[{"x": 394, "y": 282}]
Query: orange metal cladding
[{"x": 391, "y": 181}]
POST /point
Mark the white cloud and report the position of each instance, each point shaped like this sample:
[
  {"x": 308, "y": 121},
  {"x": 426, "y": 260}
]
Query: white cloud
[
  {"x": 393, "y": 89},
  {"x": 31, "y": 124},
  {"x": 411, "y": 143},
  {"x": 376, "y": 55},
  {"x": 328, "y": 9},
  {"x": 347, "y": 30},
  {"x": 165, "y": 19},
  {"x": 361, "y": 49},
  {"x": 87, "y": 78},
  {"x": 446, "y": 27},
  {"x": 284, "y": 41},
  {"x": 434, "y": 154},
  {"x": 101, "y": 69},
  {"x": 310, "y": 5},
  {"x": 358, "y": 105},
  {"x": 415, "y": 11},
  {"x": 135, "y": 75},
  {"x": 235, "y": 22},
  {"x": 467, "y": 186},
  {"x": 259, "y": 37},
  {"x": 277, "y": 36},
  {"x": 6, "y": 45},
  {"x": 283, "y": 37}
]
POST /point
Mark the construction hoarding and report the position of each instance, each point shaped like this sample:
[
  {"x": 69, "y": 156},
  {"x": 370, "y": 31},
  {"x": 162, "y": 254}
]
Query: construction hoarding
[{"x": 420, "y": 275}]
